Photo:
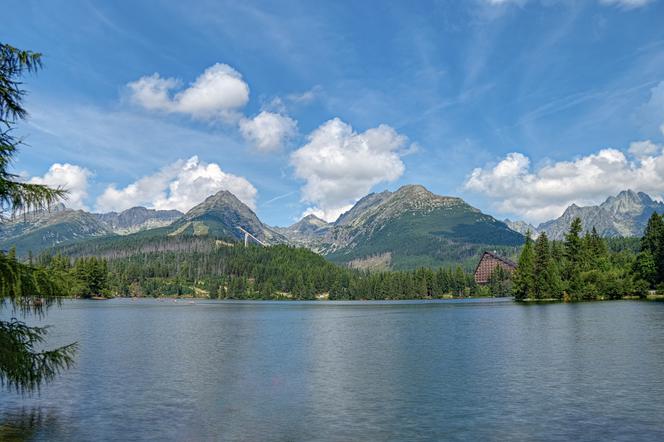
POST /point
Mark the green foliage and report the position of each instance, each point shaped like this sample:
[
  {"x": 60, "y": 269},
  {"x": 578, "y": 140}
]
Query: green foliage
[
  {"x": 573, "y": 258},
  {"x": 524, "y": 275},
  {"x": 580, "y": 268},
  {"x": 28, "y": 290},
  {"x": 24, "y": 367},
  {"x": 16, "y": 195},
  {"x": 25, "y": 288},
  {"x": 92, "y": 273},
  {"x": 191, "y": 266},
  {"x": 500, "y": 283},
  {"x": 651, "y": 262}
]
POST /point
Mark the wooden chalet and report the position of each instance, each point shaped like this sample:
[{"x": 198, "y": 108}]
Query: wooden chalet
[{"x": 488, "y": 264}]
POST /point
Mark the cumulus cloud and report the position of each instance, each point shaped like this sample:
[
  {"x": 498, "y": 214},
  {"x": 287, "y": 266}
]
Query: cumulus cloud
[
  {"x": 180, "y": 185},
  {"x": 340, "y": 166},
  {"x": 70, "y": 177},
  {"x": 268, "y": 131},
  {"x": 545, "y": 193},
  {"x": 217, "y": 93}
]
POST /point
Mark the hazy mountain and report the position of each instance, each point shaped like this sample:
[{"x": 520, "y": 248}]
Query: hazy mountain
[
  {"x": 42, "y": 229},
  {"x": 522, "y": 227},
  {"x": 137, "y": 219},
  {"x": 625, "y": 214},
  {"x": 308, "y": 232}
]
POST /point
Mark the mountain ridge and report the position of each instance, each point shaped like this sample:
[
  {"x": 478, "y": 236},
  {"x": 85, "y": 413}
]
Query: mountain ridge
[
  {"x": 623, "y": 215},
  {"x": 406, "y": 228}
]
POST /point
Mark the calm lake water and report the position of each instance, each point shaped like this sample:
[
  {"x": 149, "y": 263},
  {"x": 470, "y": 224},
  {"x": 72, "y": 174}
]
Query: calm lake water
[{"x": 450, "y": 370}]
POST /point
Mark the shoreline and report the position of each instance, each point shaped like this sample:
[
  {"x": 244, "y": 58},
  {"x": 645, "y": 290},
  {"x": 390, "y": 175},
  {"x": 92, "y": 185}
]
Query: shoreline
[{"x": 650, "y": 297}]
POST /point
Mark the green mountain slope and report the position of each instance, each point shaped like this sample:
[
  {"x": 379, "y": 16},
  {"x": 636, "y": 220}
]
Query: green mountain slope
[{"x": 414, "y": 227}]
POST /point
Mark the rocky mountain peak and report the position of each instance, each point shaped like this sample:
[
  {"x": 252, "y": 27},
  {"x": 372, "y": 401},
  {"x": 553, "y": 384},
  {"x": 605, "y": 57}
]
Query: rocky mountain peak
[
  {"x": 313, "y": 220},
  {"x": 220, "y": 201},
  {"x": 627, "y": 202},
  {"x": 414, "y": 190},
  {"x": 222, "y": 215},
  {"x": 223, "y": 197},
  {"x": 624, "y": 214}
]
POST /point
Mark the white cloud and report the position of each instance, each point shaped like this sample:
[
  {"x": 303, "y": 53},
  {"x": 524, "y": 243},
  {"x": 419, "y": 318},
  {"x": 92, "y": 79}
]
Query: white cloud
[
  {"x": 340, "y": 166},
  {"x": 641, "y": 149},
  {"x": 180, "y": 185},
  {"x": 305, "y": 97},
  {"x": 217, "y": 93},
  {"x": 70, "y": 177},
  {"x": 545, "y": 193},
  {"x": 268, "y": 130},
  {"x": 627, "y": 4}
]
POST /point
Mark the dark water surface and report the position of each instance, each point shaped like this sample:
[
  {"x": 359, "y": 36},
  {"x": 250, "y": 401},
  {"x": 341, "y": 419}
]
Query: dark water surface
[{"x": 451, "y": 370}]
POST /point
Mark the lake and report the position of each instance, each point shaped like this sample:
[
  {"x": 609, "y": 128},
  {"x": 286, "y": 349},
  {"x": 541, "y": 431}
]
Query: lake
[{"x": 342, "y": 371}]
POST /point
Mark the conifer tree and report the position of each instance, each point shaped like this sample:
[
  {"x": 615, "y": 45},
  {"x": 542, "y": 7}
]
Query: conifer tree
[
  {"x": 524, "y": 274},
  {"x": 645, "y": 268},
  {"x": 541, "y": 267},
  {"x": 24, "y": 365},
  {"x": 653, "y": 242},
  {"x": 500, "y": 283},
  {"x": 595, "y": 256},
  {"x": 574, "y": 253}
]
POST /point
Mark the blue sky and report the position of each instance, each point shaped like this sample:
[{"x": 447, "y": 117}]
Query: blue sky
[{"x": 520, "y": 107}]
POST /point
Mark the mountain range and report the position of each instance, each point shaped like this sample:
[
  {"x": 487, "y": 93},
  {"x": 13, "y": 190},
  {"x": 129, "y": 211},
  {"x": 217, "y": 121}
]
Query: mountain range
[
  {"x": 407, "y": 228},
  {"x": 623, "y": 215},
  {"x": 42, "y": 229}
]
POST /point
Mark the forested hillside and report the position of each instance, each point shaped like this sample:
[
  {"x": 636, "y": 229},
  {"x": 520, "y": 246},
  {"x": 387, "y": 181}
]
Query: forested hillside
[{"x": 187, "y": 266}]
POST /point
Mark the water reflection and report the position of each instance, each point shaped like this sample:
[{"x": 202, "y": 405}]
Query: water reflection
[{"x": 25, "y": 423}]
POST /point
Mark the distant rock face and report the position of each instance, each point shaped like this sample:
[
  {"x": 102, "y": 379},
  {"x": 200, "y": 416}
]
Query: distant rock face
[
  {"x": 522, "y": 227},
  {"x": 625, "y": 214},
  {"x": 137, "y": 219}
]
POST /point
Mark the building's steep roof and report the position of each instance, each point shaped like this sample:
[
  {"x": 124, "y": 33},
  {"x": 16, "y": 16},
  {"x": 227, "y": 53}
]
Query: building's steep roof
[
  {"x": 499, "y": 258},
  {"x": 486, "y": 254}
]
